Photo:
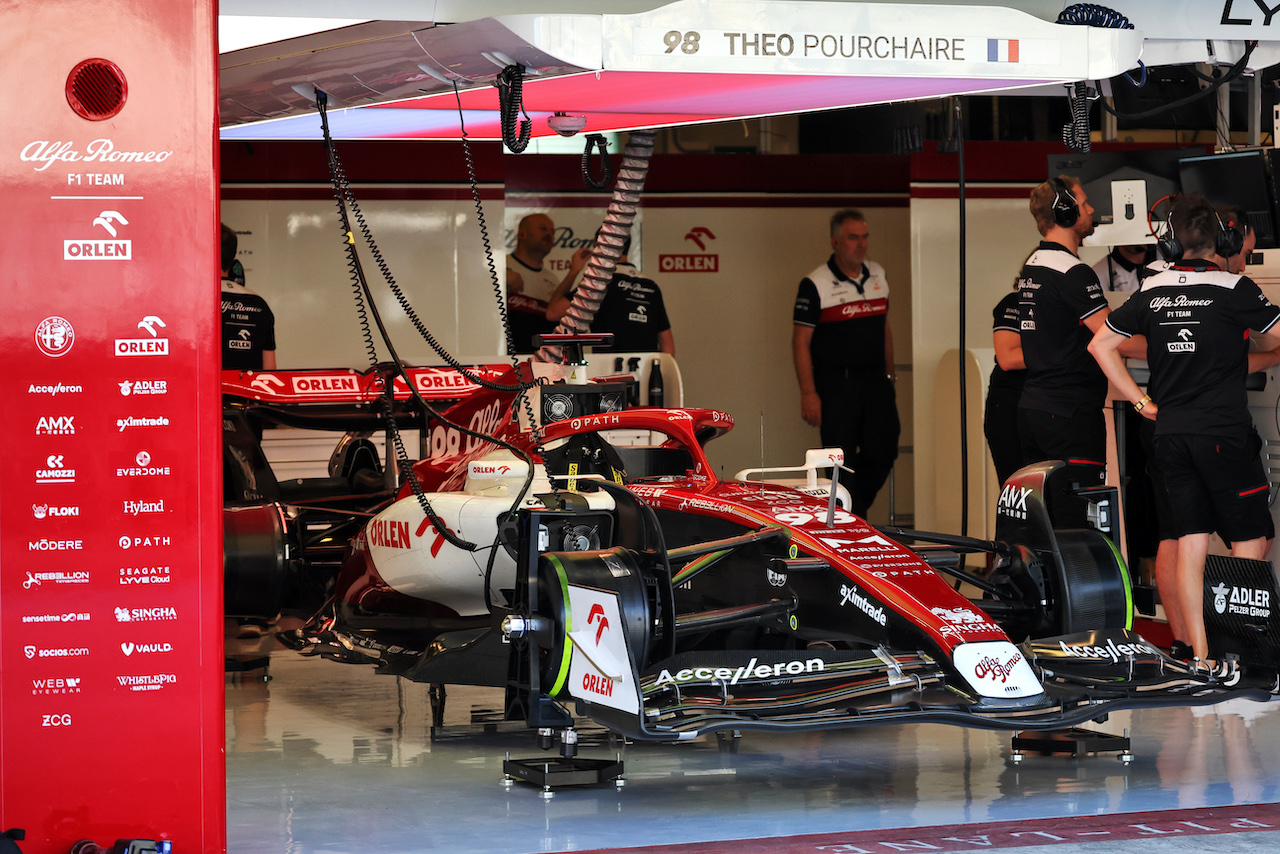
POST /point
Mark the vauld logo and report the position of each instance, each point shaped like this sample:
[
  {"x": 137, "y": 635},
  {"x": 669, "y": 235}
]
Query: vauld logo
[
  {"x": 153, "y": 346},
  {"x": 129, "y": 648},
  {"x": 1013, "y": 501},
  {"x": 54, "y": 336},
  {"x": 113, "y": 249},
  {"x": 56, "y": 471},
  {"x": 140, "y": 387},
  {"x": 56, "y": 425}
]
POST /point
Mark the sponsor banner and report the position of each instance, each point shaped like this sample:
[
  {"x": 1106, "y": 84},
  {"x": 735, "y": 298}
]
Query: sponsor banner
[
  {"x": 996, "y": 669},
  {"x": 65, "y": 617},
  {"x": 600, "y": 669}
]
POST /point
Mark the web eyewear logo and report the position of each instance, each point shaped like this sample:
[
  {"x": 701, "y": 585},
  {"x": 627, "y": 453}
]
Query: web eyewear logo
[
  {"x": 153, "y": 346},
  {"x": 54, "y": 336}
]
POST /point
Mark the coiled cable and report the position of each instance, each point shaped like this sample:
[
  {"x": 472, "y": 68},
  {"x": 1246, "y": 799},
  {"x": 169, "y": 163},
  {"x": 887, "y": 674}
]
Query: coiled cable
[
  {"x": 596, "y": 141},
  {"x": 510, "y": 83}
]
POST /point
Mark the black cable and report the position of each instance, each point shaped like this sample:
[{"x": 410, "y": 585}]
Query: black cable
[
  {"x": 1233, "y": 73},
  {"x": 1094, "y": 15},
  {"x": 964, "y": 417},
  {"x": 510, "y": 83},
  {"x": 1076, "y": 133},
  {"x": 597, "y": 141}
]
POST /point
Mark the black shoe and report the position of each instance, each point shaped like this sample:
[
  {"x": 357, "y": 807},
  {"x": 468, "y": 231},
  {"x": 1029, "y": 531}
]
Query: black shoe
[{"x": 1181, "y": 651}]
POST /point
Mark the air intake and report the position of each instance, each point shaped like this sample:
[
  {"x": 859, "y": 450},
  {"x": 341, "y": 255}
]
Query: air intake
[{"x": 96, "y": 89}]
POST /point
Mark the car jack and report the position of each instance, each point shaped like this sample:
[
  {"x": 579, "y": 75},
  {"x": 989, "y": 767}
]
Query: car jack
[{"x": 568, "y": 769}]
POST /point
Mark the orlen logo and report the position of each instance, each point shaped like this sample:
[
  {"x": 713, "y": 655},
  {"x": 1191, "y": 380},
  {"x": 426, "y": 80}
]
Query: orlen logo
[
  {"x": 42, "y": 511},
  {"x": 1013, "y": 501},
  {"x": 56, "y": 425},
  {"x": 153, "y": 346},
  {"x": 389, "y": 533},
  {"x": 325, "y": 384},
  {"x": 115, "y": 249},
  {"x": 54, "y": 336}
]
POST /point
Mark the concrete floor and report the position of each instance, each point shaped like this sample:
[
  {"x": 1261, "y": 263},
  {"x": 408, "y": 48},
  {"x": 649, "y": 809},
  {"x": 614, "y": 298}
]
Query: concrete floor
[{"x": 329, "y": 757}]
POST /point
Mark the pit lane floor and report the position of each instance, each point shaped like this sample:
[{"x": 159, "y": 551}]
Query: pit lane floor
[{"x": 327, "y": 757}]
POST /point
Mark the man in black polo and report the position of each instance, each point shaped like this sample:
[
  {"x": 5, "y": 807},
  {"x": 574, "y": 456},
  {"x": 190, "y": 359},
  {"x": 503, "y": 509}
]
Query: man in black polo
[
  {"x": 1196, "y": 317},
  {"x": 1061, "y": 305},
  {"x": 843, "y": 351}
]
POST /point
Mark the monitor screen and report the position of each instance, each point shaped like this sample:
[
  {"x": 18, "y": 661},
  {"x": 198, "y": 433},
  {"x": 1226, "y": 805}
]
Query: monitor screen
[
  {"x": 1240, "y": 178},
  {"x": 1158, "y": 168}
]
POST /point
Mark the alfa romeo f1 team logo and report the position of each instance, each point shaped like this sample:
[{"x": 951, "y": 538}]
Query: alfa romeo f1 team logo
[{"x": 54, "y": 336}]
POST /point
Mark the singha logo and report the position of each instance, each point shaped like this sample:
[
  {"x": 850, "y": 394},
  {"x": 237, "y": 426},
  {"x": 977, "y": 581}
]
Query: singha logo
[{"x": 1220, "y": 598}]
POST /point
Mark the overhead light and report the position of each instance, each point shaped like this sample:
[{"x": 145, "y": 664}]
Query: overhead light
[{"x": 566, "y": 125}]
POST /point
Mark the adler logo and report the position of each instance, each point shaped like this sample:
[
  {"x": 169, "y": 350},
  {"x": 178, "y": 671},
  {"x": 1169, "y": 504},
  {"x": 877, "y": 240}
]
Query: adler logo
[
  {"x": 1244, "y": 601},
  {"x": 1013, "y": 501},
  {"x": 143, "y": 387},
  {"x": 56, "y": 425}
]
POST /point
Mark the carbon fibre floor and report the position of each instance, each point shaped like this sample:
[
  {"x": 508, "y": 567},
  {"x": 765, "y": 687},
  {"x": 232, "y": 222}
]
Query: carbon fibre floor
[{"x": 327, "y": 757}]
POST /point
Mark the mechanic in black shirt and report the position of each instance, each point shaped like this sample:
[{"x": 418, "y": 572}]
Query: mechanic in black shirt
[
  {"x": 1061, "y": 305},
  {"x": 248, "y": 326},
  {"x": 632, "y": 309},
  {"x": 1004, "y": 388},
  {"x": 1196, "y": 318}
]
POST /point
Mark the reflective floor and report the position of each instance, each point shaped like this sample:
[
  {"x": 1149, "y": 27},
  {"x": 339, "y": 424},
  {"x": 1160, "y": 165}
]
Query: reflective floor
[{"x": 335, "y": 758}]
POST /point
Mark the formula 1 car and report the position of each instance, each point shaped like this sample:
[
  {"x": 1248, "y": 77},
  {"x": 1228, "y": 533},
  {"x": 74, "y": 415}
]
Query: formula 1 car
[{"x": 540, "y": 552}]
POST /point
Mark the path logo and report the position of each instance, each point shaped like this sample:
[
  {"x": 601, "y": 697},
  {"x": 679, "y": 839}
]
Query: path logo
[{"x": 54, "y": 336}]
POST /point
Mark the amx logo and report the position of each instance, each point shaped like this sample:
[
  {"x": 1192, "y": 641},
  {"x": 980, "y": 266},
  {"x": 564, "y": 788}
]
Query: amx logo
[{"x": 56, "y": 425}]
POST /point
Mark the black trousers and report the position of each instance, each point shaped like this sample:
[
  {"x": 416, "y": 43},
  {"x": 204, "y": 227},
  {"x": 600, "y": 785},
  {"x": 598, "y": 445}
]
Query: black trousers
[
  {"x": 1000, "y": 426},
  {"x": 860, "y": 416}
]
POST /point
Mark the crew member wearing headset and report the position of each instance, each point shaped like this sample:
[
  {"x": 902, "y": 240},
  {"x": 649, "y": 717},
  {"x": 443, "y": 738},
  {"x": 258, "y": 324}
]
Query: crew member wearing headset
[
  {"x": 1061, "y": 305},
  {"x": 843, "y": 351},
  {"x": 1196, "y": 317}
]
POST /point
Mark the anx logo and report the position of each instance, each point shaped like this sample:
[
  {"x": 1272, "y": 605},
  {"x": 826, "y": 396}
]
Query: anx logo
[
  {"x": 52, "y": 511},
  {"x": 1244, "y": 601},
  {"x": 56, "y": 470},
  {"x": 102, "y": 249},
  {"x": 141, "y": 387},
  {"x": 59, "y": 685},
  {"x": 153, "y": 346},
  {"x": 54, "y": 336},
  {"x": 56, "y": 425},
  {"x": 1013, "y": 501},
  {"x": 129, "y": 648},
  {"x": 1112, "y": 652},
  {"x": 146, "y": 615}
]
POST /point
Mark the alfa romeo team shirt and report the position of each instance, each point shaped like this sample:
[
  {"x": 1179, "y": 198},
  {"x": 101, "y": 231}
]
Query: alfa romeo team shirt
[
  {"x": 248, "y": 327},
  {"x": 1056, "y": 293},
  {"x": 847, "y": 316},
  {"x": 527, "y": 310},
  {"x": 1196, "y": 319}
]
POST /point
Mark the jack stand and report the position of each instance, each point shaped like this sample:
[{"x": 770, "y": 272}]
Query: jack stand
[
  {"x": 567, "y": 770},
  {"x": 1076, "y": 741}
]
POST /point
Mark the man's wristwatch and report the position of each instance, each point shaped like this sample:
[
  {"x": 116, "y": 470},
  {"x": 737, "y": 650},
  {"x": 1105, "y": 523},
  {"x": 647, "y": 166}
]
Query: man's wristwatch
[{"x": 1137, "y": 407}]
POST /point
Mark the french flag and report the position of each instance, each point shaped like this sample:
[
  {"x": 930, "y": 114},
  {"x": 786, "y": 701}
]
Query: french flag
[{"x": 1002, "y": 50}]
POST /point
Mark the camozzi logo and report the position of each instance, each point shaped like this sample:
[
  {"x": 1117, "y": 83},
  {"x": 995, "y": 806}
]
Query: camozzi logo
[
  {"x": 153, "y": 346},
  {"x": 142, "y": 387},
  {"x": 56, "y": 425},
  {"x": 53, "y": 511},
  {"x": 56, "y": 471},
  {"x": 146, "y": 615},
  {"x": 54, "y": 336}
]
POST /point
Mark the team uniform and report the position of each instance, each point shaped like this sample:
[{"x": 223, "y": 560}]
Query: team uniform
[
  {"x": 633, "y": 310},
  {"x": 1117, "y": 273},
  {"x": 1196, "y": 319},
  {"x": 1004, "y": 389},
  {"x": 248, "y": 327},
  {"x": 527, "y": 310},
  {"x": 1060, "y": 412},
  {"x": 859, "y": 410}
]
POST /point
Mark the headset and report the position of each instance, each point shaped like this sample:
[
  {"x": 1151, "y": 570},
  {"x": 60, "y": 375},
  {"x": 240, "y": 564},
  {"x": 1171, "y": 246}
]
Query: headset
[
  {"x": 1065, "y": 209},
  {"x": 1226, "y": 241}
]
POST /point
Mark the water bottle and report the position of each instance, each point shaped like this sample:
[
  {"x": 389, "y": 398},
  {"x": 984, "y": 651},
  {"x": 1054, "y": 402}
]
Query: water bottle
[{"x": 655, "y": 384}]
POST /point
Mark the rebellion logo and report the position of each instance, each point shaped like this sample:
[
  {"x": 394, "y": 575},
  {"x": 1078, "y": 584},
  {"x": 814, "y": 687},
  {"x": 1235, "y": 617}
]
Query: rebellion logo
[
  {"x": 998, "y": 670},
  {"x": 56, "y": 425},
  {"x": 42, "y": 511},
  {"x": 1013, "y": 501},
  {"x": 48, "y": 152},
  {"x": 54, "y": 336},
  {"x": 141, "y": 387},
  {"x": 37, "y": 579}
]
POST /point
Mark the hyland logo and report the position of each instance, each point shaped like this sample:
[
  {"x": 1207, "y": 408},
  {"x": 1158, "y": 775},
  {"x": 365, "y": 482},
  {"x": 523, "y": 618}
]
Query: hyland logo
[
  {"x": 62, "y": 685},
  {"x": 54, "y": 390},
  {"x": 127, "y": 542},
  {"x": 42, "y": 511},
  {"x": 69, "y": 617},
  {"x": 1245, "y": 601},
  {"x": 56, "y": 471},
  {"x": 37, "y": 579},
  {"x": 115, "y": 249},
  {"x": 129, "y": 648},
  {"x": 150, "y": 682},
  {"x": 54, "y": 336},
  {"x": 126, "y": 423},
  {"x": 59, "y": 652},
  {"x": 851, "y": 595},
  {"x": 146, "y": 615},
  {"x": 145, "y": 575},
  {"x": 137, "y": 508},
  {"x": 1013, "y": 501},
  {"x": 47, "y": 545},
  {"x": 153, "y": 346},
  {"x": 140, "y": 387},
  {"x": 56, "y": 425}
]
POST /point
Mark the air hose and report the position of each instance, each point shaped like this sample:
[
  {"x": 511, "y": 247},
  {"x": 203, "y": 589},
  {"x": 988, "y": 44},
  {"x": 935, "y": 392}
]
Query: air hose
[
  {"x": 608, "y": 248},
  {"x": 1075, "y": 134}
]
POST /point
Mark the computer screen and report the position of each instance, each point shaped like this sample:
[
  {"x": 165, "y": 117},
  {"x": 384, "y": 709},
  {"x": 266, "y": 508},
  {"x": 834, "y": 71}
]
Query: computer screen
[{"x": 1241, "y": 178}]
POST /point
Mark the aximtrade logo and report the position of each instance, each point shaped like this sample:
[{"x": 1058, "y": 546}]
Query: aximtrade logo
[{"x": 54, "y": 336}]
